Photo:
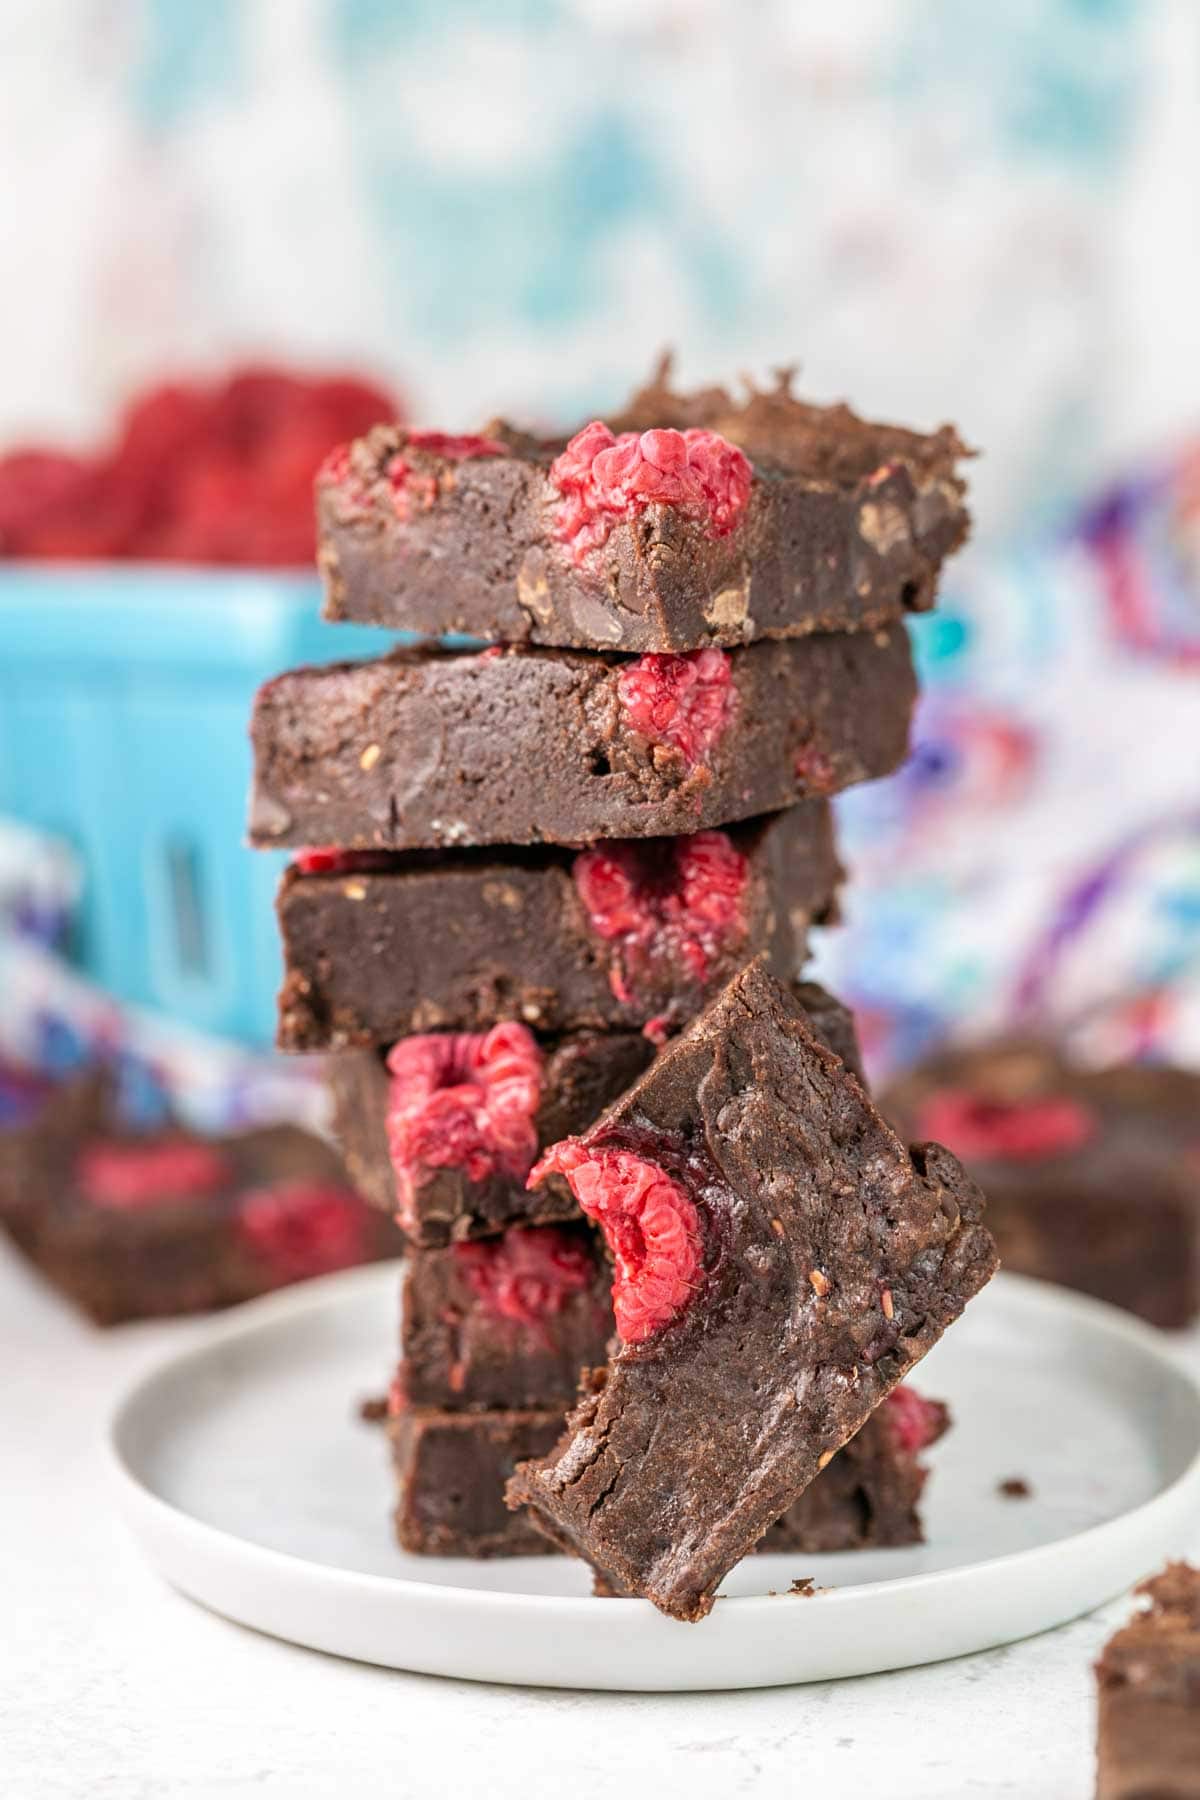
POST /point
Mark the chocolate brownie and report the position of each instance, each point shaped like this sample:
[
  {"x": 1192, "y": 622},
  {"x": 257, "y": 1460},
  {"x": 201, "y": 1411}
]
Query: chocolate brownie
[
  {"x": 782, "y": 1262},
  {"x": 867, "y": 1497},
  {"x": 1092, "y": 1175},
  {"x": 507, "y": 1321},
  {"x": 694, "y": 520},
  {"x": 135, "y": 1225},
  {"x": 619, "y": 936},
  {"x": 427, "y": 749},
  {"x": 443, "y": 1132},
  {"x": 1148, "y": 1676},
  {"x": 452, "y": 1469}
]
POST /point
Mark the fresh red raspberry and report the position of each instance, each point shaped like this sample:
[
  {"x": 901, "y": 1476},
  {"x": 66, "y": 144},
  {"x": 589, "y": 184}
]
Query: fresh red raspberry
[
  {"x": 130, "y": 1177},
  {"x": 915, "y": 1421},
  {"x": 678, "y": 900},
  {"x": 302, "y": 1228},
  {"x": 527, "y": 1274},
  {"x": 462, "y": 1101},
  {"x": 684, "y": 701},
  {"x": 604, "y": 480},
  {"x": 975, "y": 1127},
  {"x": 419, "y": 486},
  {"x": 327, "y": 859},
  {"x": 651, "y": 1227}
]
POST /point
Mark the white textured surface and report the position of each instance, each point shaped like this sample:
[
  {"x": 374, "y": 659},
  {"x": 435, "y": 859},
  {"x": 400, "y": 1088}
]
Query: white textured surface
[{"x": 116, "y": 1688}]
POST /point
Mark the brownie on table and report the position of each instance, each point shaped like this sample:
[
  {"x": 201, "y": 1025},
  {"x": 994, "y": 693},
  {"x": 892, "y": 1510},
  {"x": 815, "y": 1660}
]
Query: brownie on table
[
  {"x": 690, "y": 520},
  {"x": 452, "y": 1468},
  {"x": 443, "y": 1130},
  {"x": 427, "y": 749},
  {"x": 508, "y": 1321},
  {"x": 1092, "y": 1176},
  {"x": 782, "y": 1262},
  {"x": 1148, "y": 1677},
  {"x": 617, "y": 936},
  {"x": 133, "y": 1225}
]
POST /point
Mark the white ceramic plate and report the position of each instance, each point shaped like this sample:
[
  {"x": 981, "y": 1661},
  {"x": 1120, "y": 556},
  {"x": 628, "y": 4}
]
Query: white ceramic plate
[{"x": 255, "y": 1488}]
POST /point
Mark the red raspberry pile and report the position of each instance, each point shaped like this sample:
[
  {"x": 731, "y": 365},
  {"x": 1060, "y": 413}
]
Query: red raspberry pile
[
  {"x": 976, "y": 1127},
  {"x": 681, "y": 701},
  {"x": 303, "y": 1228},
  {"x": 198, "y": 473},
  {"x": 527, "y": 1274}
]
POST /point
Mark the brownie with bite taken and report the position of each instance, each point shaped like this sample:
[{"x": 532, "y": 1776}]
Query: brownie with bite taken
[
  {"x": 686, "y": 521},
  {"x": 618, "y": 936},
  {"x": 134, "y": 1224},
  {"x": 782, "y": 1262},
  {"x": 427, "y": 749}
]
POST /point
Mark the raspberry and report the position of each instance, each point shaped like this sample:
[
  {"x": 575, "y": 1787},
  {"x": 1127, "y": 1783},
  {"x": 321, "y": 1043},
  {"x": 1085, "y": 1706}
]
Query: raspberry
[
  {"x": 419, "y": 487},
  {"x": 302, "y": 1228},
  {"x": 467, "y": 1101},
  {"x": 327, "y": 859},
  {"x": 605, "y": 479},
  {"x": 650, "y": 1225},
  {"x": 684, "y": 701},
  {"x": 677, "y": 900},
  {"x": 915, "y": 1421},
  {"x": 1013, "y": 1130},
  {"x": 527, "y": 1274},
  {"x": 127, "y": 1177}
]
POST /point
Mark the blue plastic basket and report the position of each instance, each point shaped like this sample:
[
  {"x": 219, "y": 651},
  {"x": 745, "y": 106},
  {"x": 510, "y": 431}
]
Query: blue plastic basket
[{"x": 124, "y": 702}]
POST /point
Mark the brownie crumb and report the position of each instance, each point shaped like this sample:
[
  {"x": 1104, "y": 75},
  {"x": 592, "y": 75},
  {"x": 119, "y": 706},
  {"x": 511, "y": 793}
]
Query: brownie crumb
[
  {"x": 803, "y": 1585},
  {"x": 1015, "y": 1487},
  {"x": 373, "y": 1411}
]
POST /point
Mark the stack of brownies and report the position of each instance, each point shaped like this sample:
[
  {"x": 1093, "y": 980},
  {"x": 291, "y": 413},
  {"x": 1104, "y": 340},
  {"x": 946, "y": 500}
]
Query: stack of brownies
[{"x": 542, "y": 860}]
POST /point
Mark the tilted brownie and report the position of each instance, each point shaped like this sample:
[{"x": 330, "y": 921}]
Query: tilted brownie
[
  {"x": 1092, "y": 1175},
  {"x": 508, "y": 1321},
  {"x": 692, "y": 520},
  {"x": 1148, "y": 1677},
  {"x": 782, "y": 1262},
  {"x": 452, "y": 1468},
  {"x": 443, "y": 1131},
  {"x": 135, "y": 1225},
  {"x": 619, "y": 936},
  {"x": 427, "y": 749}
]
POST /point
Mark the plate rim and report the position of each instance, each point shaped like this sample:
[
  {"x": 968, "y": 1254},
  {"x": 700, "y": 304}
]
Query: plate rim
[{"x": 249, "y": 1319}]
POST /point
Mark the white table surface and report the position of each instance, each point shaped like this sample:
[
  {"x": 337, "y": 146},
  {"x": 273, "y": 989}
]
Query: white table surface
[{"x": 112, "y": 1687}]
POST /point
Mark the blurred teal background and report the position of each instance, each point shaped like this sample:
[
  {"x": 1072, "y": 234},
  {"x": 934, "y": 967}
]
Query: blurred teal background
[{"x": 939, "y": 208}]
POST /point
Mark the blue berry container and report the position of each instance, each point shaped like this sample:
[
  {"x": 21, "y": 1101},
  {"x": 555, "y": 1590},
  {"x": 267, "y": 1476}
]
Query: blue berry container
[{"x": 125, "y": 694}]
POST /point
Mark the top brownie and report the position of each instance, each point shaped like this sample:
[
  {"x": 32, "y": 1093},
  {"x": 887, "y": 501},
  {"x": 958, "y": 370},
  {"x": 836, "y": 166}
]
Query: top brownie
[{"x": 686, "y": 521}]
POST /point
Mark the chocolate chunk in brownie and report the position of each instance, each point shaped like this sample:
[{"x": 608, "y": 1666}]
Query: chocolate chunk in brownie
[
  {"x": 135, "y": 1225},
  {"x": 443, "y": 1132},
  {"x": 507, "y": 1321},
  {"x": 1092, "y": 1175},
  {"x": 428, "y": 749},
  {"x": 782, "y": 1262},
  {"x": 617, "y": 936},
  {"x": 694, "y": 520},
  {"x": 453, "y": 1466},
  {"x": 1148, "y": 1676}
]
